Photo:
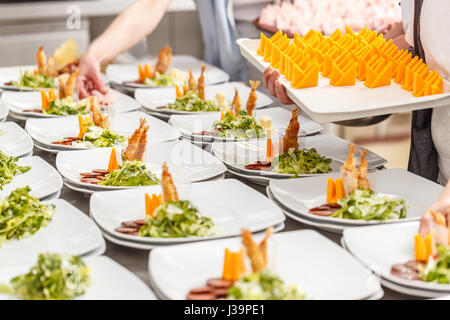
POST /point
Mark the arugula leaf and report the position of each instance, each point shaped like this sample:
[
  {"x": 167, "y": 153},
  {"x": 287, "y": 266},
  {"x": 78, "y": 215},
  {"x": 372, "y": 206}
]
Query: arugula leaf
[
  {"x": 303, "y": 161},
  {"x": 9, "y": 169},
  {"x": 438, "y": 270},
  {"x": 191, "y": 102},
  {"x": 131, "y": 173}
]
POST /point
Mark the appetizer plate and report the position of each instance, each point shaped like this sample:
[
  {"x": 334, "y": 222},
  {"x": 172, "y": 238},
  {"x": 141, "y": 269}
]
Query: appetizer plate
[
  {"x": 8, "y": 74},
  {"x": 156, "y": 98},
  {"x": 380, "y": 247},
  {"x": 249, "y": 209},
  {"x": 189, "y": 125},
  {"x": 109, "y": 281},
  {"x": 326, "y": 103},
  {"x": 3, "y": 110},
  {"x": 42, "y": 178},
  {"x": 236, "y": 155},
  {"x": 69, "y": 231},
  {"x": 300, "y": 195},
  {"x": 298, "y": 257},
  {"x": 120, "y": 73},
  {"x": 46, "y": 131},
  {"x": 187, "y": 163},
  {"x": 18, "y": 102},
  {"x": 14, "y": 141},
  {"x": 259, "y": 180}
]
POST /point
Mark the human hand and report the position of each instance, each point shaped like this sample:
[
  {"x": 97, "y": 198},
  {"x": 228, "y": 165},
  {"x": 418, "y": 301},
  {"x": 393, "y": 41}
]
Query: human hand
[{"x": 276, "y": 89}]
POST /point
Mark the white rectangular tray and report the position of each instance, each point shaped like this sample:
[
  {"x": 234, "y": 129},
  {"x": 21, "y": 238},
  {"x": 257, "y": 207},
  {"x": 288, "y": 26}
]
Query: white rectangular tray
[{"x": 326, "y": 103}]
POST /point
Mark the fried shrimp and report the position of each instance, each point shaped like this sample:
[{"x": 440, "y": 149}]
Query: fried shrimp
[
  {"x": 169, "y": 192},
  {"x": 137, "y": 142},
  {"x": 251, "y": 102},
  {"x": 363, "y": 182},
  {"x": 256, "y": 253},
  {"x": 192, "y": 84},
  {"x": 201, "y": 84},
  {"x": 51, "y": 70},
  {"x": 236, "y": 104},
  {"x": 70, "y": 84},
  {"x": 290, "y": 139},
  {"x": 41, "y": 61},
  {"x": 99, "y": 119},
  {"x": 164, "y": 60},
  {"x": 348, "y": 171}
]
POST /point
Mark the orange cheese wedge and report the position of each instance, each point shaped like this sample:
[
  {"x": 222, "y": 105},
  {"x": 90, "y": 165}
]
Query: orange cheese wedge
[
  {"x": 311, "y": 78},
  {"x": 299, "y": 42},
  {"x": 379, "y": 76},
  {"x": 262, "y": 43},
  {"x": 276, "y": 36},
  {"x": 268, "y": 50},
  {"x": 275, "y": 59},
  {"x": 113, "y": 164},
  {"x": 348, "y": 77}
]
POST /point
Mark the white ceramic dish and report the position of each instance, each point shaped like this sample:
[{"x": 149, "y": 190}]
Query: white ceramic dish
[
  {"x": 42, "y": 178},
  {"x": 186, "y": 162},
  {"x": 301, "y": 258},
  {"x": 238, "y": 154},
  {"x": 18, "y": 102},
  {"x": 300, "y": 195},
  {"x": 69, "y": 231},
  {"x": 189, "y": 125},
  {"x": 46, "y": 131},
  {"x": 120, "y": 73},
  {"x": 249, "y": 209},
  {"x": 14, "y": 141},
  {"x": 152, "y": 100},
  {"x": 3, "y": 110},
  {"x": 380, "y": 247},
  {"x": 326, "y": 103},
  {"x": 109, "y": 281}
]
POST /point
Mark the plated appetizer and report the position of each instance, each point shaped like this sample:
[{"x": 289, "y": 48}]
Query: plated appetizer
[
  {"x": 132, "y": 171},
  {"x": 54, "y": 277},
  {"x": 22, "y": 215},
  {"x": 167, "y": 216},
  {"x": 238, "y": 284},
  {"x": 161, "y": 75},
  {"x": 237, "y": 123},
  {"x": 94, "y": 131},
  {"x": 431, "y": 253},
  {"x": 292, "y": 160},
  {"x": 350, "y": 197},
  {"x": 9, "y": 169}
]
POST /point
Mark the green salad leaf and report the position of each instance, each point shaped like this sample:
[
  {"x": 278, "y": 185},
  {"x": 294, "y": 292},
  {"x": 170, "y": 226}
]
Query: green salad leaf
[
  {"x": 264, "y": 285},
  {"x": 438, "y": 270},
  {"x": 54, "y": 277},
  {"x": 241, "y": 126},
  {"x": 303, "y": 161},
  {"x": 160, "y": 80},
  {"x": 67, "y": 106},
  {"x": 35, "y": 81},
  {"x": 22, "y": 214},
  {"x": 9, "y": 169},
  {"x": 130, "y": 174},
  {"x": 100, "y": 138},
  {"x": 368, "y": 205},
  {"x": 191, "y": 102},
  {"x": 176, "y": 219}
]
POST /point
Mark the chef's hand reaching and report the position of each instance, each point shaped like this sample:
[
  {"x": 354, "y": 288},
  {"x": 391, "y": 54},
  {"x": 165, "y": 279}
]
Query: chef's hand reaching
[
  {"x": 276, "y": 89},
  {"x": 442, "y": 206}
]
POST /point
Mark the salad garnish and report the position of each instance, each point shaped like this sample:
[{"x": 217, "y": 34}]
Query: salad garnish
[
  {"x": 22, "y": 215},
  {"x": 130, "y": 174},
  {"x": 302, "y": 161},
  {"x": 10, "y": 169},
  {"x": 54, "y": 277}
]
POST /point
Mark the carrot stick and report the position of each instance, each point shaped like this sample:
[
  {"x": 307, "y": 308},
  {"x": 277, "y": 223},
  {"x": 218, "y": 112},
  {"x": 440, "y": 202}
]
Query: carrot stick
[
  {"x": 44, "y": 99},
  {"x": 148, "y": 206}
]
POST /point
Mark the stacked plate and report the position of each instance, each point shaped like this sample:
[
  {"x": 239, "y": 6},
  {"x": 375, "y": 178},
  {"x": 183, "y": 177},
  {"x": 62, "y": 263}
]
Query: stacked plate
[
  {"x": 380, "y": 247},
  {"x": 18, "y": 102},
  {"x": 301, "y": 258},
  {"x": 187, "y": 163},
  {"x": 46, "y": 131},
  {"x": 297, "y": 196},
  {"x": 236, "y": 155},
  {"x": 14, "y": 141},
  {"x": 247, "y": 209},
  {"x": 109, "y": 281},
  {"x": 3, "y": 110},
  {"x": 153, "y": 100}
]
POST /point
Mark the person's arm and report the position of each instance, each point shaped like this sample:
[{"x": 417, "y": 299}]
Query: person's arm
[{"x": 130, "y": 27}]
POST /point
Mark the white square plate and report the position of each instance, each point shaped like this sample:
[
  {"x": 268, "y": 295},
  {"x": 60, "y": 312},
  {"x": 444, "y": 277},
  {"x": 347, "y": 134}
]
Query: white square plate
[
  {"x": 109, "y": 281},
  {"x": 304, "y": 258},
  {"x": 3, "y": 110},
  {"x": 46, "y": 131},
  {"x": 380, "y": 247},
  {"x": 241, "y": 153},
  {"x": 8, "y": 74},
  {"x": 42, "y": 178},
  {"x": 18, "y": 101},
  {"x": 300, "y": 195},
  {"x": 327, "y": 103},
  {"x": 186, "y": 162},
  {"x": 249, "y": 208},
  {"x": 120, "y": 73},
  {"x": 14, "y": 141},
  {"x": 190, "y": 124},
  {"x": 158, "y": 97},
  {"x": 69, "y": 231}
]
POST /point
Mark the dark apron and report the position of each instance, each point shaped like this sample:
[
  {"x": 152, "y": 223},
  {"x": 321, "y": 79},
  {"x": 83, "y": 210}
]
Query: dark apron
[{"x": 423, "y": 157}]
